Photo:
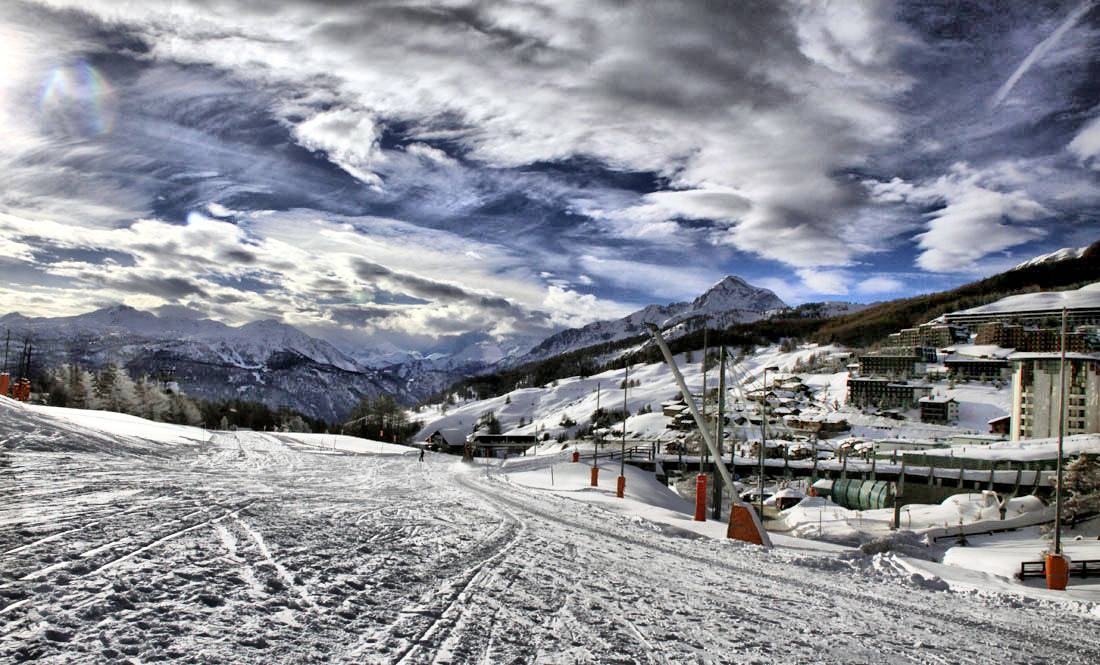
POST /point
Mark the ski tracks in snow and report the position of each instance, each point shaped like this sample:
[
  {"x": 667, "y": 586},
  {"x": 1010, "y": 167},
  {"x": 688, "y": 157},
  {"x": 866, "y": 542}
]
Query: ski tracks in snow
[{"x": 283, "y": 555}]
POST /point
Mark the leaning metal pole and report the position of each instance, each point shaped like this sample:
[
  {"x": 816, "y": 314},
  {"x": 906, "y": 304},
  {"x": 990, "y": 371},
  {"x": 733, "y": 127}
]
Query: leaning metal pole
[{"x": 699, "y": 422}]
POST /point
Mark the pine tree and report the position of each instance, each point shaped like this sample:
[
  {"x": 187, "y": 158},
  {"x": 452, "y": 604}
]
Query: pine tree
[
  {"x": 117, "y": 390},
  {"x": 152, "y": 402},
  {"x": 182, "y": 410},
  {"x": 86, "y": 394},
  {"x": 1082, "y": 484},
  {"x": 57, "y": 384}
]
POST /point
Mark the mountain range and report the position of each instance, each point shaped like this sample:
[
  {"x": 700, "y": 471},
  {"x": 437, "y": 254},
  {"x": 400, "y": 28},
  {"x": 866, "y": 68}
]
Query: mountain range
[{"x": 277, "y": 364}]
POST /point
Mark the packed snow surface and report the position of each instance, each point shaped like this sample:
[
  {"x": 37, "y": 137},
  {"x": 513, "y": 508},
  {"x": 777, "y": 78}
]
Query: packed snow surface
[{"x": 132, "y": 543}]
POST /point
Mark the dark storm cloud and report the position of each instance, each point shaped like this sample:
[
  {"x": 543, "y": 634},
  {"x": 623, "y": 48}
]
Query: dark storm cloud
[
  {"x": 357, "y": 316},
  {"x": 169, "y": 288},
  {"x": 436, "y": 291},
  {"x": 240, "y": 256}
]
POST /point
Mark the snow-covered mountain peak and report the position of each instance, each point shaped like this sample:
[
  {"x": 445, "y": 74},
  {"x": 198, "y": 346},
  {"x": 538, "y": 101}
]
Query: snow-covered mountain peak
[
  {"x": 1055, "y": 256},
  {"x": 735, "y": 293}
]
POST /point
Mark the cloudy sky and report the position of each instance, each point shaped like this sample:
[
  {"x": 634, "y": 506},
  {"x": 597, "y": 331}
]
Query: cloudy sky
[{"x": 427, "y": 174}]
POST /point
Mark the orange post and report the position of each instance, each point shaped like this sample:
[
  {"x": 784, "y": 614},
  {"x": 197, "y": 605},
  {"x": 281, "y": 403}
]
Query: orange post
[
  {"x": 743, "y": 525},
  {"x": 4, "y": 381},
  {"x": 576, "y": 456},
  {"x": 620, "y": 486},
  {"x": 701, "y": 498},
  {"x": 595, "y": 476},
  {"x": 1057, "y": 572}
]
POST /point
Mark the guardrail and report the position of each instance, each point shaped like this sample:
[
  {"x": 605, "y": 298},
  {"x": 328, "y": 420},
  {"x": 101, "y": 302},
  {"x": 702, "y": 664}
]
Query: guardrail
[
  {"x": 1076, "y": 568},
  {"x": 612, "y": 452}
]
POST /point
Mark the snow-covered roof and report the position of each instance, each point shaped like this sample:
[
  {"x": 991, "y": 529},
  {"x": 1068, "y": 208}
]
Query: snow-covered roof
[
  {"x": 452, "y": 435},
  {"x": 973, "y": 359},
  {"x": 1049, "y": 355},
  {"x": 979, "y": 351},
  {"x": 935, "y": 399}
]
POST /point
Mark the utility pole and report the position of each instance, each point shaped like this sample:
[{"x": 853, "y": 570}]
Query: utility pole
[
  {"x": 1061, "y": 435},
  {"x": 25, "y": 359},
  {"x": 622, "y": 448},
  {"x": 763, "y": 440},
  {"x": 595, "y": 481},
  {"x": 701, "y": 453},
  {"x": 718, "y": 426},
  {"x": 7, "y": 343}
]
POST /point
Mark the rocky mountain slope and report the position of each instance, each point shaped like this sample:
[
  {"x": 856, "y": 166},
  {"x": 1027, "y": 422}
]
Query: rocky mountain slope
[
  {"x": 732, "y": 300},
  {"x": 262, "y": 361}
]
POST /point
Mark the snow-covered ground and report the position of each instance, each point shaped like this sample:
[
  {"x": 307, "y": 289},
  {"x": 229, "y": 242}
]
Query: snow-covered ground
[
  {"x": 134, "y": 543},
  {"x": 542, "y": 409}
]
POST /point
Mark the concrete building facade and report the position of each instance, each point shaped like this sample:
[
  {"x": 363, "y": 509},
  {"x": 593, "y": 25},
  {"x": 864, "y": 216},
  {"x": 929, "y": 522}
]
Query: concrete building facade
[{"x": 1036, "y": 395}]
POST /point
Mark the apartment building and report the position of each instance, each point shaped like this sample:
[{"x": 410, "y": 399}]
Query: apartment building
[{"x": 1036, "y": 395}]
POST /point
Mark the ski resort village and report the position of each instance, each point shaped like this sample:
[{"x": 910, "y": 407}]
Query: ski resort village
[
  {"x": 546, "y": 332},
  {"x": 688, "y": 496}
]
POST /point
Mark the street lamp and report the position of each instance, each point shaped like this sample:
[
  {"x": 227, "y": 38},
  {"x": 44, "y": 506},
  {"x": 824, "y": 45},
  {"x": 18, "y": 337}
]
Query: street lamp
[
  {"x": 621, "y": 483},
  {"x": 763, "y": 440}
]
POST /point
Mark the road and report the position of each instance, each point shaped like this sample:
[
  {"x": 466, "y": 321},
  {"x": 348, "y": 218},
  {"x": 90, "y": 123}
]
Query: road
[{"x": 259, "y": 549}]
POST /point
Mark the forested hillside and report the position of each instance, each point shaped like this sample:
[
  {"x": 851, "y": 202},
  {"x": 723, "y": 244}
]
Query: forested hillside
[{"x": 874, "y": 323}]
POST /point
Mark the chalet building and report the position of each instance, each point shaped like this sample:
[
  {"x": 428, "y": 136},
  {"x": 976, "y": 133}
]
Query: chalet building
[
  {"x": 938, "y": 410},
  {"x": 884, "y": 393},
  {"x": 446, "y": 441},
  {"x": 966, "y": 368},
  {"x": 1001, "y": 425},
  {"x": 674, "y": 408},
  {"x": 1036, "y": 395},
  {"x": 818, "y": 424},
  {"x": 500, "y": 445}
]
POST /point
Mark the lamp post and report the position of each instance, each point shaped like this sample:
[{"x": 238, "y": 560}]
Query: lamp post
[
  {"x": 595, "y": 479},
  {"x": 1061, "y": 435},
  {"x": 763, "y": 440},
  {"x": 621, "y": 485}
]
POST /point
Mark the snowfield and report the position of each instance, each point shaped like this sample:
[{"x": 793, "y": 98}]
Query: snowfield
[{"x": 131, "y": 543}]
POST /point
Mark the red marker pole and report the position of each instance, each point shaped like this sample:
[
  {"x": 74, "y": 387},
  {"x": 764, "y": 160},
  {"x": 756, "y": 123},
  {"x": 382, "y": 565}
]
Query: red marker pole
[{"x": 701, "y": 498}]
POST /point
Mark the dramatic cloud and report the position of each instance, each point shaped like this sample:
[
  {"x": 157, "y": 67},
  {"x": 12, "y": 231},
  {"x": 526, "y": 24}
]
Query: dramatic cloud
[
  {"x": 973, "y": 218},
  {"x": 1086, "y": 145},
  {"x": 474, "y": 170}
]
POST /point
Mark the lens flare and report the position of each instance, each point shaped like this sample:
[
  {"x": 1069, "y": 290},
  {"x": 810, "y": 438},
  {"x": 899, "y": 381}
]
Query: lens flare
[{"x": 77, "y": 100}]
